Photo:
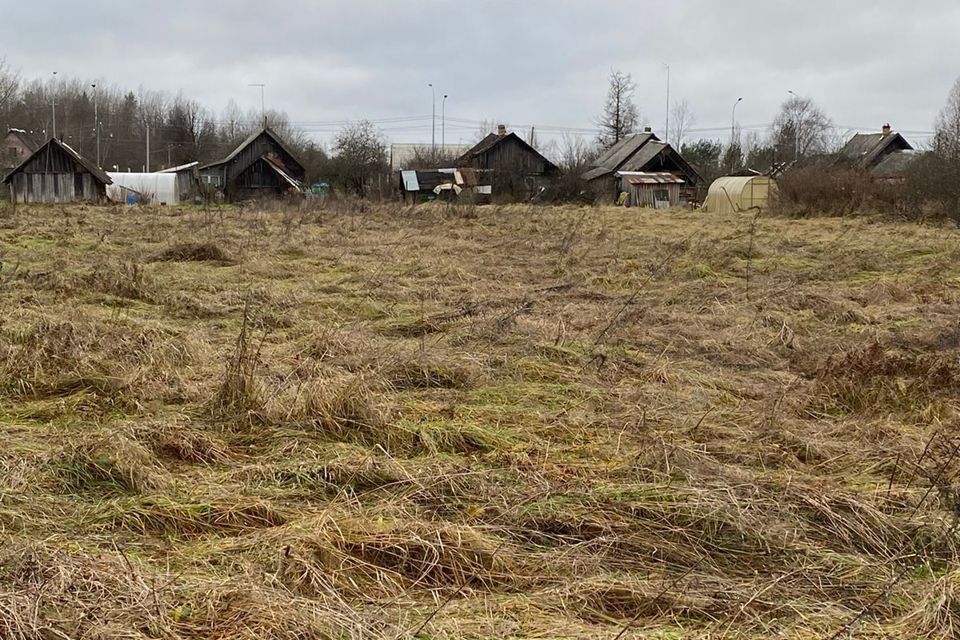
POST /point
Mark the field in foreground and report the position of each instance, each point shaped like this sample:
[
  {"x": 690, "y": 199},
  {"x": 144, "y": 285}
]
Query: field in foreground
[{"x": 501, "y": 422}]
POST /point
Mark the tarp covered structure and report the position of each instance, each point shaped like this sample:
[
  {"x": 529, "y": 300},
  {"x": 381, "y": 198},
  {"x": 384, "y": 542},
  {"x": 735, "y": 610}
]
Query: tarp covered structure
[
  {"x": 155, "y": 188},
  {"x": 731, "y": 194}
]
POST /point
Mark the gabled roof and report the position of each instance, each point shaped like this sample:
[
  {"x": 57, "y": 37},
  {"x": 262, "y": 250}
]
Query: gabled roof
[
  {"x": 493, "y": 140},
  {"x": 636, "y": 153},
  {"x": 29, "y": 141},
  {"x": 864, "y": 149},
  {"x": 614, "y": 157},
  {"x": 249, "y": 140},
  {"x": 98, "y": 173}
]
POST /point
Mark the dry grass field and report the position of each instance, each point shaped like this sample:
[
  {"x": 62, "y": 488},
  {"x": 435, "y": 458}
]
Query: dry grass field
[{"x": 518, "y": 422}]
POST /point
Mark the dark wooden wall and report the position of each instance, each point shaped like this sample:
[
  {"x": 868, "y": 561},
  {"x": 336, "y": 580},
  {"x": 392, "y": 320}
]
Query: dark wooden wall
[
  {"x": 511, "y": 156},
  {"x": 54, "y": 176}
]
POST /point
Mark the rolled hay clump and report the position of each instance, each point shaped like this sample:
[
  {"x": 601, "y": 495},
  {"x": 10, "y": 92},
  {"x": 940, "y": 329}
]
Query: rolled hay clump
[
  {"x": 194, "y": 252},
  {"x": 428, "y": 372},
  {"x": 173, "y": 440},
  {"x": 347, "y": 411},
  {"x": 112, "y": 464}
]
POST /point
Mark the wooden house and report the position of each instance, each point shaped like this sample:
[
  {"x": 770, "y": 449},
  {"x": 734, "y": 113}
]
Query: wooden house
[
  {"x": 650, "y": 172},
  {"x": 57, "y": 173},
  {"x": 263, "y": 165},
  {"x": 886, "y": 155},
  {"x": 16, "y": 147},
  {"x": 514, "y": 167}
]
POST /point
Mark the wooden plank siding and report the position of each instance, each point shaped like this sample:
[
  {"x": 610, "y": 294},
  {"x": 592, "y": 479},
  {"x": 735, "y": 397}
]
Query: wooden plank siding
[
  {"x": 244, "y": 174},
  {"x": 52, "y": 175}
]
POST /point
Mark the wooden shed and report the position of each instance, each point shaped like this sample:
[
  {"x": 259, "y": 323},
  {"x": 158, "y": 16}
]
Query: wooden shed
[
  {"x": 262, "y": 165},
  {"x": 659, "y": 189},
  {"x": 57, "y": 173}
]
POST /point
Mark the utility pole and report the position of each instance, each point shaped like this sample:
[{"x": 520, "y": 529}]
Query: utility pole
[
  {"x": 263, "y": 109},
  {"x": 53, "y": 95},
  {"x": 148, "y": 149},
  {"x": 96, "y": 121},
  {"x": 443, "y": 123},
  {"x": 433, "y": 121}
]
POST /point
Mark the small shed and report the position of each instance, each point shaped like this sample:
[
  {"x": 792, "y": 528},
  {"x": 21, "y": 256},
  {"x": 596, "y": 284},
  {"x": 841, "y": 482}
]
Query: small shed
[
  {"x": 658, "y": 189},
  {"x": 732, "y": 194},
  {"x": 57, "y": 173}
]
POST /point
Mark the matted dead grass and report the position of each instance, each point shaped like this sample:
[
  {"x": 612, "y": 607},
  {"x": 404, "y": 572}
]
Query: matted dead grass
[{"x": 441, "y": 422}]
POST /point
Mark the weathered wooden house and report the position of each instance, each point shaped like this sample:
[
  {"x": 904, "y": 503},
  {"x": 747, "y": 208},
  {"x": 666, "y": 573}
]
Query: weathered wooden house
[
  {"x": 263, "y": 165},
  {"x": 650, "y": 172},
  {"x": 886, "y": 155},
  {"x": 16, "y": 147},
  {"x": 57, "y": 173},
  {"x": 513, "y": 166}
]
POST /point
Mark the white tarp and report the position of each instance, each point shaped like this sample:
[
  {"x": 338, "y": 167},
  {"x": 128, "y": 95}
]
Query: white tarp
[
  {"x": 410, "y": 182},
  {"x": 154, "y": 188}
]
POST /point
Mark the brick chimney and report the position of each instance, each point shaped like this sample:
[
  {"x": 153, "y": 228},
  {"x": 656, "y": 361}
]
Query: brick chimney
[
  {"x": 648, "y": 129},
  {"x": 501, "y": 130},
  {"x": 886, "y": 130}
]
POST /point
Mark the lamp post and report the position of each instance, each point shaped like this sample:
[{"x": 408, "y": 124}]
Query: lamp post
[
  {"x": 53, "y": 103},
  {"x": 733, "y": 121},
  {"x": 433, "y": 121},
  {"x": 796, "y": 131},
  {"x": 666, "y": 127},
  {"x": 96, "y": 121},
  {"x": 263, "y": 110},
  {"x": 443, "y": 123}
]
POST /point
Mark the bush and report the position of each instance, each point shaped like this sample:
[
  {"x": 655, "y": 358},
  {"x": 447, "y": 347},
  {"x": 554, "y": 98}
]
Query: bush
[{"x": 823, "y": 190}]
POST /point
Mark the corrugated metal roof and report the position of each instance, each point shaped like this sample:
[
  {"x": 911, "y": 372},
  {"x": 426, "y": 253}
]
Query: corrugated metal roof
[{"x": 650, "y": 177}]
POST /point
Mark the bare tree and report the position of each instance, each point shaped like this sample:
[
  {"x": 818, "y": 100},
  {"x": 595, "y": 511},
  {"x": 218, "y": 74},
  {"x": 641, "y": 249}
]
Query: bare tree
[
  {"x": 620, "y": 115},
  {"x": 682, "y": 118},
  {"x": 9, "y": 84},
  {"x": 361, "y": 154},
  {"x": 801, "y": 129},
  {"x": 946, "y": 140}
]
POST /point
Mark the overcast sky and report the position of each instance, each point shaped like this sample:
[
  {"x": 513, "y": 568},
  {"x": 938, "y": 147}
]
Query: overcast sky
[{"x": 529, "y": 62}]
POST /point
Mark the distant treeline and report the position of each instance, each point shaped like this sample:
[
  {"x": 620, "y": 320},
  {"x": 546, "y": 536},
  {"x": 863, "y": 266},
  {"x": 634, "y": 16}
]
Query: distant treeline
[{"x": 181, "y": 129}]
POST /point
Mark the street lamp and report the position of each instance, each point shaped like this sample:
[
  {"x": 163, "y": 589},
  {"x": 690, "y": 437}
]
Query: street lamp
[
  {"x": 733, "y": 121},
  {"x": 263, "y": 111},
  {"x": 53, "y": 103},
  {"x": 443, "y": 123},
  {"x": 433, "y": 121},
  {"x": 796, "y": 132},
  {"x": 666, "y": 132}
]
